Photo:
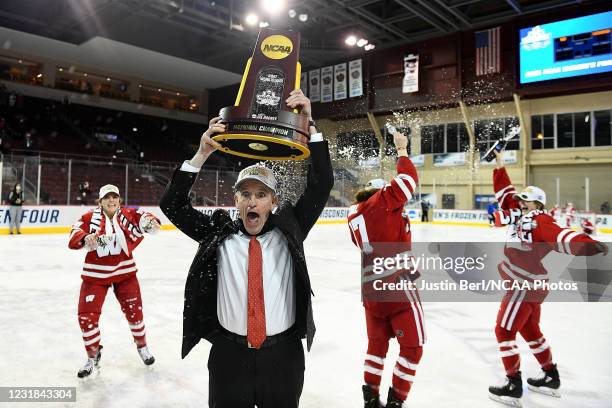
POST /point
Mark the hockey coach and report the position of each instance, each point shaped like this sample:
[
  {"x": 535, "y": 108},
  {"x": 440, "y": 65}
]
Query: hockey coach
[{"x": 248, "y": 290}]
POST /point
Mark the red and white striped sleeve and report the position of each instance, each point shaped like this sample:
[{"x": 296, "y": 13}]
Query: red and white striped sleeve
[
  {"x": 563, "y": 240},
  {"x": 504, "y": 190},
  {"x": 79, "y": 231},
  {"x": 402, "y": 186}
]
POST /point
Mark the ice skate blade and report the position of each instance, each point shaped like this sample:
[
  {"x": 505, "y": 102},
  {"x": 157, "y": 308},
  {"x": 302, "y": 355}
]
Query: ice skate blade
[
  {"x": 91, "y": 377},
  {"x": 509, "y": 401},
  {"x": 545, "y": 390}
]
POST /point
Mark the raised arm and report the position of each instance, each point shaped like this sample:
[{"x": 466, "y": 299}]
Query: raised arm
[
  {"x": 504, "y": 190},
  {"x": 402, "y": 187},
  {"x": 320, "y": 177},
  {"x": 175, "y": 202}
]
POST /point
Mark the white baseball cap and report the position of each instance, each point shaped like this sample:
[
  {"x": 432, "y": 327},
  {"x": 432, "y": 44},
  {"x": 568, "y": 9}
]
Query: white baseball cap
[
  {"x": 375, "y": 184},
  {"x": 109, "y": 188},
  {"x": 532, "y": 193},
  {"x": 257, "y": 172}
]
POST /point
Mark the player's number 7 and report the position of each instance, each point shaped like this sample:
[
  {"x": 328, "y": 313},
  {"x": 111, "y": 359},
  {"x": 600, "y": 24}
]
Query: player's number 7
[{"x": 358, "y": 224}]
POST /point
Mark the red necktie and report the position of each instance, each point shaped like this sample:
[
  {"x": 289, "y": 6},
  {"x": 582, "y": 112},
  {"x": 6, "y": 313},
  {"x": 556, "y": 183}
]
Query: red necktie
[{"x": 256, "y": 320}]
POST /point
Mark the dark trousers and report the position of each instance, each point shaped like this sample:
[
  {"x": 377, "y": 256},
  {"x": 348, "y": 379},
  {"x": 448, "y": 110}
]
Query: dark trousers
[
  {"x": 424, "y": 215},
  {"x": 240, "y": 377}
]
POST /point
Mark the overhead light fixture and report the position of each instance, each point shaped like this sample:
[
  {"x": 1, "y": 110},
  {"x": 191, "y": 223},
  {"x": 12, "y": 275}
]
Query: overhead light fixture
[
  {"x": 251, "y": 19},
  {"x": 351, "y": 40},
  {"x": 39, "y": 76},
  {"x": 292, "y": 13},
  {"x": 134, "y": 129},
  {"x": 263, "y": 24},
  {"x": 158, "y": 89},
  {"x": 273, "y": 6},
  {"x": 108, "y": 79},
  {"x": 303, "y": 17},
  {"x": 178, "y": 94},
  {"x": 60, "y": 69},
  {"x": 85, "y": 74},
  {"x": 20, "y": 61},
  {"x": 369, "y": 47},
  {"x": 362, "y": 42}
]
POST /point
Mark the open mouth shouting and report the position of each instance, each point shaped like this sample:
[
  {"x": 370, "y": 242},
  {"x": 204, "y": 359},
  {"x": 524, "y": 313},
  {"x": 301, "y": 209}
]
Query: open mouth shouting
[{"x": 252, "y": 219}]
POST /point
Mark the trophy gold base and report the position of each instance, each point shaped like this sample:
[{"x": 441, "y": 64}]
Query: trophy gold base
[
  {"x": 285, "y": 138},
  {"x": 261, "y": 147}
]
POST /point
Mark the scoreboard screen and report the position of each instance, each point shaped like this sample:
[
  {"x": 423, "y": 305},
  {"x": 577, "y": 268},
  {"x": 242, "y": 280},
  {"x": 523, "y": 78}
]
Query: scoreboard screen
[{"x": 568, "y": 48}]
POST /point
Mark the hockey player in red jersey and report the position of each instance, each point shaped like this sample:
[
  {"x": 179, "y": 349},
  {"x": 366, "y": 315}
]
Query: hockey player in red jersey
[
  {"x": 587, "y": 226},
  {"x": 376, "y": 217},
  {"x": 569, "y": 215},
  {"x": 555, "y": 212},
  {"x": 109, "y": 234},
  {"x": 536, "y": 234}
]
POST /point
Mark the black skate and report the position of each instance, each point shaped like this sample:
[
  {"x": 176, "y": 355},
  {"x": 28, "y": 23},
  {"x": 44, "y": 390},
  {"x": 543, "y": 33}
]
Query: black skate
[
  {"x": 547, "y": 384},
  {"x": 90, "y": 365},
  {"x": 146, "y": 355},
  {"x": 392, "y": 400},
  {"x": 510, "y": 392},
  {"x": 370, "y": 399}
]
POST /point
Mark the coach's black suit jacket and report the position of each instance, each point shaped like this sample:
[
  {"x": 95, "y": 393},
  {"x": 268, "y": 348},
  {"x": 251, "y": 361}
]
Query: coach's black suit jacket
[{"x": 200, "y": 310}]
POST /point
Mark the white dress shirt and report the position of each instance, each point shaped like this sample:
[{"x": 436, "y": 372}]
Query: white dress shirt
[{"x": 278, "y": 282}]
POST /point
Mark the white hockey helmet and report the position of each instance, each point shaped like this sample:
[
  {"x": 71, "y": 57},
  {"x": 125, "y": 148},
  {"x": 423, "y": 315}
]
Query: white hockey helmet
[
  {"x": 532, "y": 193},
  {"x": 375, "y": 184}
]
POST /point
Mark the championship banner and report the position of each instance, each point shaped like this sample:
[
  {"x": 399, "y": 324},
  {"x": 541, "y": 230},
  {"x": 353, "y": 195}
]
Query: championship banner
[
  {"x": 304, "y": 83},
  {"x": 340, "y": 81},
  {"x": 327, "y": 84},
  {"x": 314, "y": 85},
  {"x": 411, "y": 74},
  {"x": 355, "y": 78}
]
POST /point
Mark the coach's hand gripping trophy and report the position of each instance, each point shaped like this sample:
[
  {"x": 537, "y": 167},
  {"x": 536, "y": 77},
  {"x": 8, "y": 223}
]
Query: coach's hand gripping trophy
[{"x": 260, "y": 125}]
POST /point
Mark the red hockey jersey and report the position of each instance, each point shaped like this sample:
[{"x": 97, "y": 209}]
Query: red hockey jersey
[
  {"x": 112, "y": 261},
  {"x": 537, "y": 233},
  {"x": 378, "y": 226}
]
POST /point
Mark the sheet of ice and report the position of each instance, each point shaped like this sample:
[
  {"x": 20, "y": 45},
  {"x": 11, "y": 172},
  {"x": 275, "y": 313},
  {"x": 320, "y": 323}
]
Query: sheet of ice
[{"x": 41, "y": 343}]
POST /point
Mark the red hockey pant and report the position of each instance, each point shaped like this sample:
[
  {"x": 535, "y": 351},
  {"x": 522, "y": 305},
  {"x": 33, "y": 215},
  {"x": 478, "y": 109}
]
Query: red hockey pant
[
  {"x": 91, "y": 300},
  {"x": 404, "y": 321},
  {"x": 516, "y": 316}
]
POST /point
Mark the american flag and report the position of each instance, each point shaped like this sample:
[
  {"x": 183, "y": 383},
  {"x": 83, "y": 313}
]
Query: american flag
[{"x": 487, "y": 51}]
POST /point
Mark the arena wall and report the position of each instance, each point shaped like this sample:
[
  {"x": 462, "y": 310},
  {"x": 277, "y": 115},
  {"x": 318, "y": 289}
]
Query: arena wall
[{"x": 48, "y": 219}]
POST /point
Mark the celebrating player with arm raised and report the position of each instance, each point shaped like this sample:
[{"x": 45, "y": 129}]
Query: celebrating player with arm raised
[
  {"x": 377, "y": 218},
  {"x": 537, "y": 234},
  {"x": 110, "y": 233}
]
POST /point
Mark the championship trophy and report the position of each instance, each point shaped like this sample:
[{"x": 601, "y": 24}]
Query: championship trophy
[{"x": 260, "y": 125}]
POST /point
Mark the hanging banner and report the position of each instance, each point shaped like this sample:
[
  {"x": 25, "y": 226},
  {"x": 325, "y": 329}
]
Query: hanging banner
[
  {"x": 314, "y": 85},
  {"x": 411, "y": 74},
  {"x": 355, "y": 78},
  {"x": 327, "y": 84},
  {"x": 304, "y": 83},
  {"x": 340, "y": 81}
]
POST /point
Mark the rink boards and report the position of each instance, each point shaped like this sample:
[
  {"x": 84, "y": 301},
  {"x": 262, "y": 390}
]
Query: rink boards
[{"x": 45, "y": 219}]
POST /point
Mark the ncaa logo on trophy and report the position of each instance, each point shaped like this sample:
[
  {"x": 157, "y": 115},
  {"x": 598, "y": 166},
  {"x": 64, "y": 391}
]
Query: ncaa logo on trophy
[{"x": 259, "y": 125}]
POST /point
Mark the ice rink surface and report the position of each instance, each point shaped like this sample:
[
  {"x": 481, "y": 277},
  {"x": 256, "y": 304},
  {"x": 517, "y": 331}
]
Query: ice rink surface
[{"x": 40, "y": 341}]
